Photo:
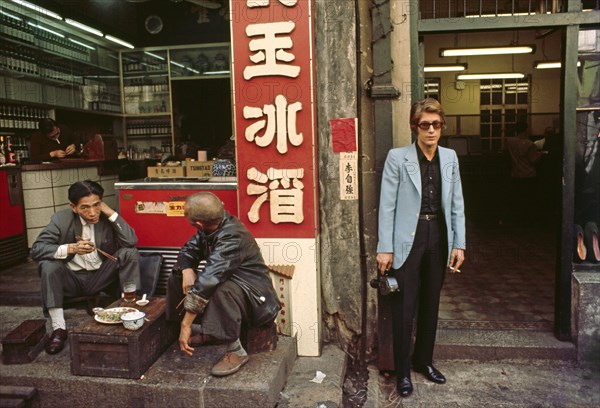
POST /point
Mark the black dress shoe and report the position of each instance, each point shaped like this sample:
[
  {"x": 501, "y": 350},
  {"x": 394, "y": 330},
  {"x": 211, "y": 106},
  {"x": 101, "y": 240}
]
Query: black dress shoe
[
  {"x": 404, "y": 386},
  {"x": 57, "y": 341},
  {"x": 431, "y": 373}
]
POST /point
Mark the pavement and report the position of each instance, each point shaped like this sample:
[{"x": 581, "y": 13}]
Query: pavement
[{"x": 510, "y": 368}]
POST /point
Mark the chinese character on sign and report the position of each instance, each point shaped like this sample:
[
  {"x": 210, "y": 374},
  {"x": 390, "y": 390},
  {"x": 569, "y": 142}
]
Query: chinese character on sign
[
  {"x": 280, "y": 118},
  {"x": 283, "y": 188},
  {"x": 264, "y": 3},
  {"x": 269, "y": 57}
]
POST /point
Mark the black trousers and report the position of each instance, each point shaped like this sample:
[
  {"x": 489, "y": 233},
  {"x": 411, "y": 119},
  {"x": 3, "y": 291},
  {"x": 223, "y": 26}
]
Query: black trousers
[
  {"x": 420, "y": 282},
  {"x": 227, "y": 309}
]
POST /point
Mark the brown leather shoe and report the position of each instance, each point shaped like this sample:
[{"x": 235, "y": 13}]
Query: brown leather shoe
[
  {"x": 57, "y": 341},
  {"x": 228, "y": 364}
]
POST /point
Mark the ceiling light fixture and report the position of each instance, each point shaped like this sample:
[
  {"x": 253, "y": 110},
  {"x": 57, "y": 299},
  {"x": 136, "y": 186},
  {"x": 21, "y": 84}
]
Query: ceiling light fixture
[
  {"x": 38, "y": 9},
  {"x": 84, "y": 27},
  {"x": 154, "y": 55},
  {"x": 119, "y": 41},
  {"x": 550, "y": 64},
  {"x": 89, "y": 47},
  {"x": 45, "y": 29},
  {"x": 507, "y": 75},
  {"x": 460, "y": 52},
  {"x": 445, "y": 68},
  {"x": 11, "y": 16}
]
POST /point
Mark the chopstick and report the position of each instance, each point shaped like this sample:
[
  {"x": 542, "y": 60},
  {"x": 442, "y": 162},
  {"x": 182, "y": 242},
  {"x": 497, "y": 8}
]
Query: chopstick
[
  {"x": 179, "y": 304},
  {"x": 106, "y": 254}
]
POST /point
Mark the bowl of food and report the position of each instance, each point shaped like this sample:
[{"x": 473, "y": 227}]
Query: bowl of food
[{"x": 133, "y": 320}]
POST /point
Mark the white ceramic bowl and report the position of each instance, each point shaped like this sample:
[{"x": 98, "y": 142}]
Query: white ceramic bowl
[{"x": 133, "y": 320}]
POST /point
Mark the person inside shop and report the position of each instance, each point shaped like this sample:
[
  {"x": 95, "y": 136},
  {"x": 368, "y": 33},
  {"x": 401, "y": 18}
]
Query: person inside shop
[
  {"x": 85, "y": 249},
  {"x": 233, "y": 288},
  {"x": 421, "y": 216},
  {"x": 52, "y": 142},
  {"x": 524, "y": 156}
]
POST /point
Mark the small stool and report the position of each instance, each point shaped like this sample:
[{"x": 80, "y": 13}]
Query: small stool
[{"x": 24, "y": 343}]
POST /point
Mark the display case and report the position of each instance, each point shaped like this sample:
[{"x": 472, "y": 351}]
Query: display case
[
  {"x": 42, "y": 63},
  {"x": 200, "y": 61}
]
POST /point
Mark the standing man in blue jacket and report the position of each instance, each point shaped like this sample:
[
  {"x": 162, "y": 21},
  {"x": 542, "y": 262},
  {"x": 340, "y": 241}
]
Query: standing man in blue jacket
[
  {"x": 421, "y": 233},
  {"x": 233, "y": 288}
]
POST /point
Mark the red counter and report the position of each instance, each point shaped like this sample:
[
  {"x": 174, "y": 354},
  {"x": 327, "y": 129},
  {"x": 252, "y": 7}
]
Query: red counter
[{"x": 138, "y": 198}]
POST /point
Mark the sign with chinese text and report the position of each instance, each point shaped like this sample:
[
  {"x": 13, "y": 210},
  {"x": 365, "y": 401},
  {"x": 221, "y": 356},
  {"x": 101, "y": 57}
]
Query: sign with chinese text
[
  {"x": 274, "y": 116},
  {"x": 348, "y": 176}
]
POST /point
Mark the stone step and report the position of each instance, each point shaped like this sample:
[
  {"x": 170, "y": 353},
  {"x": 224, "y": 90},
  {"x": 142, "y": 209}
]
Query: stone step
[
  {"x": 501, "y": 344},
  {"x": 173, "y": 380}
]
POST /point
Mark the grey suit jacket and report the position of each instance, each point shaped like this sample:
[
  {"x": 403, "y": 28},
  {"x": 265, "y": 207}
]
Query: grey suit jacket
[
  {"x": 400, "y": 202},
  {"x": 65, "y": 225}
]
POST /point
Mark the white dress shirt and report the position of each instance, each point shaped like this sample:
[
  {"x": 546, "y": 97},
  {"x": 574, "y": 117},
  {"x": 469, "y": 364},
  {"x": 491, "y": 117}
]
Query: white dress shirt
[{"x": 85, "y": 262}]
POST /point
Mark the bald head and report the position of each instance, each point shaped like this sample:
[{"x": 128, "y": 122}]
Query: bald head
[{"x": 204, "y": 207}]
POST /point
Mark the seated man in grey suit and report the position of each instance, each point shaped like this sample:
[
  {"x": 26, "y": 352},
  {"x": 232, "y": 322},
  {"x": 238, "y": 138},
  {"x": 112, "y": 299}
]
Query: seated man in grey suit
[{"x": 74, "y": 254}]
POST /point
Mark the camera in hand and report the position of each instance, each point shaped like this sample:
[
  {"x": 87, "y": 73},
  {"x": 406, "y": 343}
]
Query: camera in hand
[{"x": 385, "y": 284}]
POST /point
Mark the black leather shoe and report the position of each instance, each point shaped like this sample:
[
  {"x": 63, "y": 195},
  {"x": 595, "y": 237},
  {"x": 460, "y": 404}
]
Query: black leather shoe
[
  {"x": 431, "y": 373},
  {"x": 404, "y": 386},
  {"x": 57, "y": 341}
]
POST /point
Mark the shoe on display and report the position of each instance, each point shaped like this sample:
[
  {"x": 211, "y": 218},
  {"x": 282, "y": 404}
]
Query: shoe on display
[{"x": 592, "y": 244}]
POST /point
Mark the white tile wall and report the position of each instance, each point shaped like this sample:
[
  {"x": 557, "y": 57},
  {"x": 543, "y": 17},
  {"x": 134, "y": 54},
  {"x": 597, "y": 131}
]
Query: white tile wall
[
  {"x": 60, "y": 195},
  {"x": 36, "y": 179},
  {"x": 38, "y": 217},
  {"x": 64, "y": 177},
  {"x": 88, "y": 173},
  {"x": 32, "y": 234},
  {"x": 38, "y": 198}
]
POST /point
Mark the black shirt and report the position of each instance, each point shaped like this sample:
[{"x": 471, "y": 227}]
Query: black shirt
[{"x": 431, "y": 183}]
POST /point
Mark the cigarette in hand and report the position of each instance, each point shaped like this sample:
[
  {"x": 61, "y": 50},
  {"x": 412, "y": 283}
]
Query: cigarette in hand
[{"x": 457, "y": 270}]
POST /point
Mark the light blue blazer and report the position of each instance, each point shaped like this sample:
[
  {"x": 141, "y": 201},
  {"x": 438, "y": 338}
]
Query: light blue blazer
[{"x": 400, "y": 202}]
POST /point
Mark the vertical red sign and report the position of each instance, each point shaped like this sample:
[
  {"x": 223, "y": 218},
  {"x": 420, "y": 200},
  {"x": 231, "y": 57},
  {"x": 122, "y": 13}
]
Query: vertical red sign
[{"x": 274, "y": 116}]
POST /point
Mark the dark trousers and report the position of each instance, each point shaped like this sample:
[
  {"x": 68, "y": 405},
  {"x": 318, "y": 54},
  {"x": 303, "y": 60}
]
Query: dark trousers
[
  {"x": 420, "y": 282},
  {"x": 59, "y": 282},
  {"x": 224, "y": 315}
]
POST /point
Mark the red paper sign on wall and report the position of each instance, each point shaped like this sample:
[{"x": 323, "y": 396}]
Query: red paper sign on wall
[{"x": 274, "y": 116}]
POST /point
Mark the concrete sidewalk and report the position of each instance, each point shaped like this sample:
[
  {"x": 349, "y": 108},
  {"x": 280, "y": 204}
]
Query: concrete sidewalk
[{"x": 506, "y": 383}]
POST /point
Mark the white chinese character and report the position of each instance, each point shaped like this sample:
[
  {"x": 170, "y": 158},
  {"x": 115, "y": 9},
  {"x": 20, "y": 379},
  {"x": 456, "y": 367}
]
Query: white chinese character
[
  {"x": 285, "y": 202},
  {"x": 280, "y": 118},
  {"x": 264, "y": 3},
  {"x": 270, "y": 50}
]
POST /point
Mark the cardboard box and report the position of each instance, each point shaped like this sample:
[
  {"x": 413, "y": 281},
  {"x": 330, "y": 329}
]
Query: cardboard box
[
  {"x": 110, "y": 350},
  {"x": 166, "y": 171},
  {"x": 200, "y": 169}
]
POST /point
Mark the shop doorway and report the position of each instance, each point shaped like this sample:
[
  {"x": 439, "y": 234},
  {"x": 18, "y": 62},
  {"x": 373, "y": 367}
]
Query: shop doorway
[{"x": 508, "y": 280}]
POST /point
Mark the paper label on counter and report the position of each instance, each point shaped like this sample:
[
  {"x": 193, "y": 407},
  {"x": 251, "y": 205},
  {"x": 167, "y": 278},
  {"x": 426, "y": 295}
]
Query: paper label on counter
[
  {"x": 150, "y": 207},
  {"x": 175, "y": 208}
]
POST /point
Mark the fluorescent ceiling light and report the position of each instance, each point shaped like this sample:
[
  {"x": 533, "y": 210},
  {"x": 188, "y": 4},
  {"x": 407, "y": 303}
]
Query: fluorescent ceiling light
[
  {"x": 45, "y": 29},
  {"x": 84, "y": 27},
  {"x": 192, "y": 70},
  {"x": 445, "y": 68},
  {"x": 119, "y": 41},
  {"x": 177, "y": 64},
  {"x": 459, "y": 52},
  {"x": 216, "y": 72},
  {"x": 154, "y": 55},
  {"x": 507, "y": 75},
  {"x": 11, "y": 16},
  {"x": 550, "y": 64},
  {"x": 37, "y": 8},
  {"x": 89, "y": 47}
]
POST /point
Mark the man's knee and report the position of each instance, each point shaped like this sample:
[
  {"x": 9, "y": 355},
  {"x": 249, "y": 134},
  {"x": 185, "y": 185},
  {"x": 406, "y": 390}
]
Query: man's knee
[
  {"x": 49, "y": 269},
  {"x": 128, "y": 255}
]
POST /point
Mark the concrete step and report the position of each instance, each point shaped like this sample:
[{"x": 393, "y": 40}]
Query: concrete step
[
  {"x": 174, "y": 380},
  {"x": 501, "y": 344},
  {"x": 16, "y": 396},
  {"x": 302, "y": 392}
]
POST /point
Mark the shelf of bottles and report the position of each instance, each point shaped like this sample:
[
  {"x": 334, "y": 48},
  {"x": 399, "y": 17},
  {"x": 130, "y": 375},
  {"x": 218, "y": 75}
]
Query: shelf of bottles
[
  {"x": 146, "y": 83},
  {"x": 148, "y": 128},
  {"x": 41, "y": 63},
  {"x": 16, "y": 117},
  {"x": 200, "y": 61},
  {"x": 13, "y": 149}
]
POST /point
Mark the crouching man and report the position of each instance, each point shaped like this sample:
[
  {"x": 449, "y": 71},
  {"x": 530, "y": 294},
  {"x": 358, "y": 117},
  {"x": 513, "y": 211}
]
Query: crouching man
[
  {"x": 84, "y": 250},
  {"x": 234, "y": 287}
]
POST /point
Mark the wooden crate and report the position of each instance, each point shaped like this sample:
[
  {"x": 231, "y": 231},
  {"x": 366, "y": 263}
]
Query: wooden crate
[
  {"x": 110, "y": 350},
  {"x": 23, "y": 344}
]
